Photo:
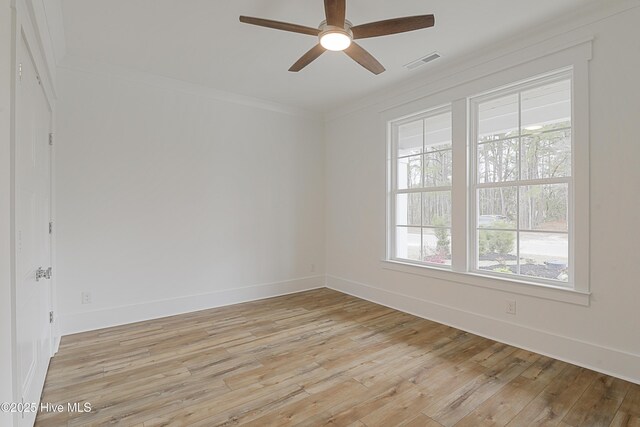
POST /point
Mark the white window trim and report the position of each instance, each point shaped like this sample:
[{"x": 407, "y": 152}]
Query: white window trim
[
  {"x": 574, "y": 56},
  {"x": 393, "y": 185},
  {"x": 474, "y": 101},
  {"x": 515, "y": 286}
]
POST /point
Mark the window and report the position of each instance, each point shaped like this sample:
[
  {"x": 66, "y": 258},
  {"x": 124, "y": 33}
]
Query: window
[
  {"x": 422, "y": 189},
  {"x": 499, "y": 202},
  {"x": 521, "y": 185}
]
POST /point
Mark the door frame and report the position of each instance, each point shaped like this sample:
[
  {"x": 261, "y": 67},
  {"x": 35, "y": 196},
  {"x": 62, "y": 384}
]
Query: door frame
[{"x": 26, "y": 28}]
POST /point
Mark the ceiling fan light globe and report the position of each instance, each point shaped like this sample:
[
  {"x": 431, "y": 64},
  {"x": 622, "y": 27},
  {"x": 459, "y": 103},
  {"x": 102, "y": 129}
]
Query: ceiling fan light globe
[{"x": 335, "y": 41}]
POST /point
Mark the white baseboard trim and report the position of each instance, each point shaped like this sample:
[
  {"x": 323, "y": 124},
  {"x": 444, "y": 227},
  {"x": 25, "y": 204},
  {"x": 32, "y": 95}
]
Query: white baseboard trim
[
  {"x": 98, "y": 319},
  {"x": 606, "y": 360},
  {"x": 56, "y": 344}
]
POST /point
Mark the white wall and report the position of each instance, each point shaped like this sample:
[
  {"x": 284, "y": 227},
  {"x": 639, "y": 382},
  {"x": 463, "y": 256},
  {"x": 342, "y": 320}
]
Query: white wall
[
  {"x": 6, "y": 82},
  {"x": 605, "y": 335},
  {"x": 170, "y": 201}
]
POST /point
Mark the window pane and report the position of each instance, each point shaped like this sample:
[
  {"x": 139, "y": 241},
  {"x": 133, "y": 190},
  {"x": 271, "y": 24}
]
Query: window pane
[
  {"x": 437, "y": 169},
  {"x": 547, "y": 107},
  {"x": 408, "y": 209},
  {"x": 410, "y": 138},
  {"x": 436, "y": 209},
  {"x": 436, "y": 245},
  {"x": 498, "y": 161},
  {"x": 544, "y": 207},
  {"x": 409, "y": 172},
  {"x": 408, "y": 241},
  {"x": 498, "y": 118},
  {"x": 497, "y": 207},
  {"x": 438, "y": 135},
  {"x": 546, "y": 155},
  {"x": 497, "y": 251},
  {"x": 545, "y": 255}
]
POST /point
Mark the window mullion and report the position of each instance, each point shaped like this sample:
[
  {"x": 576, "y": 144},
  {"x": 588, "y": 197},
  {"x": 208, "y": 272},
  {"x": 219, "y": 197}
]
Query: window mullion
[
  {"x": 393, "y": 178},
  {"x": 519, "y": 183},
  {"x": 422, "y": 165},
  {"x": 459, "y": 190},
  {"x": 525, "y": 182},
  {"x": 423, "y": 190}
]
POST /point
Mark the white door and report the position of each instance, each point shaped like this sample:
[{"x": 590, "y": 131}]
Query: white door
[{"x": 33, "y": 245}]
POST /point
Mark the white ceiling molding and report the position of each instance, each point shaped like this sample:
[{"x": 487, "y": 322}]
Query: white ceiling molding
[
  {"x": 87, "y": 66},
  {"x": 556, "y": 35}
]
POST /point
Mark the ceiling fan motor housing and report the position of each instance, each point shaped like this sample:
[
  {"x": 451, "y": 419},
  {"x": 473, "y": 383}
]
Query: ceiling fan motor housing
[{"x": 332, "y": 29}]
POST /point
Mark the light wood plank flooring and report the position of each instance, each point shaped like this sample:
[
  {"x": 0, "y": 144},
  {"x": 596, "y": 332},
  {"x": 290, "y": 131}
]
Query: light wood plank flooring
[{"x": 320, "y": 358}]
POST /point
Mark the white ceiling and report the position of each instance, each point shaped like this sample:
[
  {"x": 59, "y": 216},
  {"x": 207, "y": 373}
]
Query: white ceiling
[{"x": 202, "y": 42}]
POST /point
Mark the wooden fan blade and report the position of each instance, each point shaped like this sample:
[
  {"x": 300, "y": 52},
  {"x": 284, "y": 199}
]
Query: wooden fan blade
[
  {"x": 393, "y": 26},
  {"x": 284, "y": 26},
  {"x": 336, "y": 11},
  {"x": 364, "y": 58},
  {"x": 308, "y": 58}
]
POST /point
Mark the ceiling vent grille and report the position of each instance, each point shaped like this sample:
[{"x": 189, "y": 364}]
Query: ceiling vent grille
[{"x": 422, "y": 61}]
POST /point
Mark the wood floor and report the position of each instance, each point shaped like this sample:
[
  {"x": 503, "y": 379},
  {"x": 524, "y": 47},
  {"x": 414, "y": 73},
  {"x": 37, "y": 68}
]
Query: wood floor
[{"x": 320, "y": 358}]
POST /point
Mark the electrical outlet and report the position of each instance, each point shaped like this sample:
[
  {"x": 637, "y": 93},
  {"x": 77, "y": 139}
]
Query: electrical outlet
[
  {"x": 510, "y": 307},
  {"x": 86, "y": 297},
  {"x": 313, "y": 268}
]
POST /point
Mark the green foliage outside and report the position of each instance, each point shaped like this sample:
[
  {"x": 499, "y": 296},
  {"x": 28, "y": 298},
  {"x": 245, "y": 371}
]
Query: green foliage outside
[
  {"x": 499, "y": 242},
  {"x": 443, "y": 244}
]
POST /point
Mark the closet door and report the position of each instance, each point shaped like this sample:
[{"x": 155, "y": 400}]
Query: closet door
[{"x": 33, "y": 242}]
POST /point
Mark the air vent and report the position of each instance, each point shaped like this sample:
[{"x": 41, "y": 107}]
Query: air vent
[{"x": 424, "y": 60}]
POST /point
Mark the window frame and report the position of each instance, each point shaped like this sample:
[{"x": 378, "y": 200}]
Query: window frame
[
  {"x": 474, "y": 185},
  {"x": 394, "y": 191},
  {"x": 457, "y": 92}
]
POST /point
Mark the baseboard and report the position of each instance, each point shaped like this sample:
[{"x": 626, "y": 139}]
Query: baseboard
[
  {"x": 588, "y": 355},
  {"x": 92, "y": 320},
  {"x": 56, "y": 344}
]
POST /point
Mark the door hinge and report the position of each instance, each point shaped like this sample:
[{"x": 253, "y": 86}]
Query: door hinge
[
  {"x": 38, "y": 78},
  {"x": 20, "y": 71},
  {"x": 51, "y": 317},
  {"x": 50, "y": 227},
  {"x": 50, "y": 139}
]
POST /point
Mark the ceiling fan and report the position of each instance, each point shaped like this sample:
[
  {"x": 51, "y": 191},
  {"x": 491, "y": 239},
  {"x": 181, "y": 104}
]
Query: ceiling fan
[{"x": 338, "y": 34}]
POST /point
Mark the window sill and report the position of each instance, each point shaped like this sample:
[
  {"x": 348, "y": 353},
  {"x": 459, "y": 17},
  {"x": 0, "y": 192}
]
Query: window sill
[{"x": 555, "y": 293}]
